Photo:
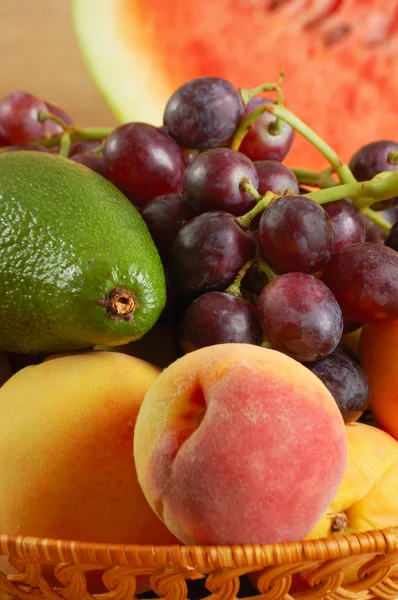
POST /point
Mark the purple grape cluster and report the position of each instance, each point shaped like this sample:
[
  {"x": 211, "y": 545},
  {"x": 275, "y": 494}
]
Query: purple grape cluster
[{"x": 294, "y": 279}]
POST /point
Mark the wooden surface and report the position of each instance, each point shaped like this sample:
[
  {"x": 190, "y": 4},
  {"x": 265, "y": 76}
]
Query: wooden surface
[{"x": 39, "y": 54}]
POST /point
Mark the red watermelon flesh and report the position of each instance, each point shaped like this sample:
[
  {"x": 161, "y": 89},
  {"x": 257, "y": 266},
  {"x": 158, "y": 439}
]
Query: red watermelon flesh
[{"x": 340, "y": 58}]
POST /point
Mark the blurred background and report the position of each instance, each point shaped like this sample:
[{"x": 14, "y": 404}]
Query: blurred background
[{"x": 40, "y": 55}]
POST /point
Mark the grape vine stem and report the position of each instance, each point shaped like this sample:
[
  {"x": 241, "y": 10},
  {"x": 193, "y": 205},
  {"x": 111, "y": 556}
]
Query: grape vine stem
[{"x": 76, "y": 135}]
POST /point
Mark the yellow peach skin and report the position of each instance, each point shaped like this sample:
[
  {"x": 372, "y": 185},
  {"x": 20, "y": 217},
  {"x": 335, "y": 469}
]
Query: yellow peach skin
[
  {"x": 368, "y": 495},
  {"x": 66, "y": 459},
  {"x": 239, "y": 444}
]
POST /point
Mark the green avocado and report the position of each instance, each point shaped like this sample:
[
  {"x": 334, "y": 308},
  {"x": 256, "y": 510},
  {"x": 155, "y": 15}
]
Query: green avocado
[{"x": 78, "y": 266}]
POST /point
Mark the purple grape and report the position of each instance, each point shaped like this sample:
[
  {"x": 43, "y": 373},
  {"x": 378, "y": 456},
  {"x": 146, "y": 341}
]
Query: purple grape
[
  {"x": 364, "y": 279},
  {"x": 164, "y": 216},
  {"x": 296, "y": 234},
  {"x": 347, "y": 383},
  {"x": 375, "y": 234},
  {"x": 260, "y": 143},
  {"x": 59, "y": 112},
  {"x": 203, "y": 113},
  {"x": 212, "y": 182},
  {"x": 275, "y": 178},
  {"x": 83, "y": 147},
  {"x": 207, "y": 253},
  {"x": 300, "y": 316},
  {"x": 219, "y": 318},
  {"x": 372, "y": 159},
  {"x": 348, "y": 221},
  {"x": 19, "y": 119},
  {"x": 143, "y": 162},
  {"x": 92, "y": 161}
]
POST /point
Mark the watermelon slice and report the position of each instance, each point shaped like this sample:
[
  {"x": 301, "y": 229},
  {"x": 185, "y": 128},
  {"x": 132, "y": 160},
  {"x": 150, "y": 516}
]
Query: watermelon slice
[{"x": 340, "y": 59}]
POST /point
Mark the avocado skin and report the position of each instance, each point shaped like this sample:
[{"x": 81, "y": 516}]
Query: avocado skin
[{"x": 68, "y": 237}]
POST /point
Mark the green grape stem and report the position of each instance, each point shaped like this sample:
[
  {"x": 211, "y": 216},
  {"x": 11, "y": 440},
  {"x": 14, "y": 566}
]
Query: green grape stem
[
  {"x": 65, "y": 144},
  {"x": 323, "y": 179},
  {"x": 246, "y": 185},
  {"x": 234, "y": 288},
  {"x": 76, "y": 135},
  {"x": 245, "y": 220}
]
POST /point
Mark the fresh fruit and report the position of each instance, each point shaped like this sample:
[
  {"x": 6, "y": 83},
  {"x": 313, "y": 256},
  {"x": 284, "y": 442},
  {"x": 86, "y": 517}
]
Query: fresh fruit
[
  {"x": 346, "y": 381},
  {"x": 378, "y": 350},
  {"x": 348, "y": 223},
  {"x": 219, "y": 318},
  {"x": 92, "y": 161},
  {"x": 275, "y": 177},
  {"x": 203, "y": 113},
  {"x": 19, "y": 118},
  {"x": 296, "y": 234},
  {"x": 144, "y": 162},
  {"x": 372, "y": 159},
  {"x": 319, "y": 46},
  {"x": 365, "y": 499},
  {"x": 229, "y": 431},
  {"x": 300, "y": 316},
  {"x": 78, "y": 264},
  {"x": 364, "y": 279},
  {"x": 164, "y": 216},
  {"x": 67, "y": 468},
  {"x": 207, "y": 253},
  {"x": 212, "y": 182},
  {"x": 264, "y": 140}
]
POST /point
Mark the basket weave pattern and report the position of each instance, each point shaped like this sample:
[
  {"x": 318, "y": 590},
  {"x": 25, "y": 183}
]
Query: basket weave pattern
[{"x": 169, "y": 568}]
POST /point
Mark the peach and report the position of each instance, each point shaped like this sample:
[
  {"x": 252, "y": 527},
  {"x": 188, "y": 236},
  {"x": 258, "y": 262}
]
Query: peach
[
  {"x": 236, "y": 443},
  {"x": 368, "y": 495},
  {"x": 378, "y": 350},
  {"x": 66, "y": 451}
]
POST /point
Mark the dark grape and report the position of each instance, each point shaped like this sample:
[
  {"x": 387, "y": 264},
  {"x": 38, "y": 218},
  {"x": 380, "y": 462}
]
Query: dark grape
[
  {"x": 92, "y": 161},
  {"x": 375, "y": 234},
  {"x": 212, "y": 182},
  {"x": 364, "y": 279},
  {"x": 207, "y": 253},
  {"x": 203, "y": 112},
  {"x": 19, "y": 119},
  {"x": 260, "y": 143},
  {"x": 59, "y": 112},
  {"x": 348, "y": 222},
  {"x": 296, "y": 234},
  {"x": 164, "y": 216},
  {"x": 276, "y": 178},
  {"x": 372, "y": 159},
  {"x": 347, "y": 383},
  {"x": 219, "y": 318},
  {"x": 143, "y": 162},
  {"x": 83, "y": 147},
  {"x": 300, "y": 316}
]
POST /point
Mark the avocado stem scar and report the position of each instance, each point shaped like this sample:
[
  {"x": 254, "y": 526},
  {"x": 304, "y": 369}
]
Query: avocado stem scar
[{"x": 119, "y": 303}]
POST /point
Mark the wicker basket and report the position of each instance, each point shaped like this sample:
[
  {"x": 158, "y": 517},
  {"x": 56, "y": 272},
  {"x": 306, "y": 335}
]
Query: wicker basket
[{"x": 372, "y": 555}]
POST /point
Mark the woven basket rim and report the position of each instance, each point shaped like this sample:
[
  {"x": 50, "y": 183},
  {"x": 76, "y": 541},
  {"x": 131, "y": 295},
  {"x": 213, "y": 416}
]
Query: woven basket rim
[{"x": 205, "y": 558}]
